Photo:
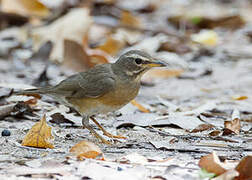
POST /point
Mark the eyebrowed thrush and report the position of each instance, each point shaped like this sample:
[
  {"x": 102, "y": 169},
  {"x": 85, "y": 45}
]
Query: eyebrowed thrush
[{"x": 102, "y": 89}]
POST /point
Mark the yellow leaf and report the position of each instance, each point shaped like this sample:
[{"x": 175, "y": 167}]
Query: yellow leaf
[
  {"x": 25, "y": 7},
  {"x": 209, "y": 38},
  {"x": 127, "y": 19},
  {"x": 85, "y": 149},
  {"x": 139, "y": 106},
  {"x": 237, "y": 97},
  {"x": 39, "y": 135}
]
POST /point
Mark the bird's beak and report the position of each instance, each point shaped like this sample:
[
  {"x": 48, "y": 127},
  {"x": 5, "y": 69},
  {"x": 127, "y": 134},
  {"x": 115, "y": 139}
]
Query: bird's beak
[{"x": 156, "y": 64}]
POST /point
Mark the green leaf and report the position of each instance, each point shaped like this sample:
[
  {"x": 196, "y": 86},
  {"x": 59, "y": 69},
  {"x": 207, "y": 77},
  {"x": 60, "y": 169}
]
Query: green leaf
[
  {"x": 196, "y": 20},
  {"x": 203, "y": 174}
]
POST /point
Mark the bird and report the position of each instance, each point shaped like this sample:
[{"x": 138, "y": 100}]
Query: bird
[{"x": 102, "y": 89}]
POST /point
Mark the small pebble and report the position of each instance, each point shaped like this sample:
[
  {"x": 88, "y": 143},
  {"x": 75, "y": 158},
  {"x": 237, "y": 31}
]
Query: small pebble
[{"x": 6, "y": 132}]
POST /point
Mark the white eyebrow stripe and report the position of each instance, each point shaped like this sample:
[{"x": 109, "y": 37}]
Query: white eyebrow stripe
[{"x": 138, "y": 56}]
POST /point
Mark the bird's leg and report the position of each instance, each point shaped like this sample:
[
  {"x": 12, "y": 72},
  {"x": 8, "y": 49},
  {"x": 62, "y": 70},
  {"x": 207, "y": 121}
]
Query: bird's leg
[
  {"x": 106, "y": 133},
  {"x": 85, "y": 123}
]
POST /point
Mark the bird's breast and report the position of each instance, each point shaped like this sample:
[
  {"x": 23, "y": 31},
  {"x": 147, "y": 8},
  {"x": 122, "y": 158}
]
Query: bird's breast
[{"x": 122, "y": 94}]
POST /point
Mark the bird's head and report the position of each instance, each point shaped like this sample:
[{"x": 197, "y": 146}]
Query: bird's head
[{"x": 135, "y": 63}]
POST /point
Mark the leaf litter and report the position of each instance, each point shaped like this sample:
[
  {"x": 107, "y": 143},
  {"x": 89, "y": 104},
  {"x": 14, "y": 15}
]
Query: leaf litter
[{"x": 177, "y": 121}]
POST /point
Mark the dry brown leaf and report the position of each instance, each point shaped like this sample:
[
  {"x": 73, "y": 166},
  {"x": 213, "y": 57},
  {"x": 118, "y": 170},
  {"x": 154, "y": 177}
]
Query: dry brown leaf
[
  {"x": 245, "y": 169},
  {"x": 139, "y": 106},
  {"x": 127, "y": 19},
  {"x": 32, "y": 101},
  {"x": 163, "y": 73},
  {"x": 111, "y": 46},
  {"x": 237, "y": 97},
  {"x": 212, "y": 164},
  {"x": 72, "y": 26},
  {"x": 201, "y": 22},
  {"x": 97, "y": 56},
  {"x": 39, "y": 135},
  {"x": 25, "y": 7},
  {"x": 215, "y": 133},
  {"x": 202, "y": 127},
  {"x": 235, "y": 124},
  {"x": 85, "y": 149},
  {"x": 80, "y": 57}
]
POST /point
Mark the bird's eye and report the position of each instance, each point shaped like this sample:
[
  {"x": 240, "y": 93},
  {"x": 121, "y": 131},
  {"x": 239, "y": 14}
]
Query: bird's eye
[{"x": 138, "y": 61}]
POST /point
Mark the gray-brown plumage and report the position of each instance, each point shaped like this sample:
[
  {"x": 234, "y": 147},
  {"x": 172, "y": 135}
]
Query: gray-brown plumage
[{"x": 102, "y": 89}]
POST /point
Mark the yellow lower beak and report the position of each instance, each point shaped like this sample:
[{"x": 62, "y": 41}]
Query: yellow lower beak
[{"x": 156, "y": 64}]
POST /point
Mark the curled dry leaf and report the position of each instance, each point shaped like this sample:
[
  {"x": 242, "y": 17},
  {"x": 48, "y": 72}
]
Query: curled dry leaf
[
  {"x": 39, "y": 135},
  {"x": 139, "y": 106},
  {"x": 212, "y": 164},
  {"x": 25, "y": 7},
  {"x": 245, "y": 168},
  {"x": 85, "y": 149},
  {"x": 72, "y": 26},
  {"x": 202, "y": 127},
  {"x": 235, "y": 124}
]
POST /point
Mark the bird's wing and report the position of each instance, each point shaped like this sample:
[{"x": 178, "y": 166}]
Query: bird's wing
[{"x": 92, "y": 84}]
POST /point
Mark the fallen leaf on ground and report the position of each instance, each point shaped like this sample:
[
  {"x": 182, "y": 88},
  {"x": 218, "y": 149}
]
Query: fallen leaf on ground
[
  {"x": 25, "y": 7},
  {"x": 215, "y": 133},
  {"x": 39, "y": 135},
  {"x": 234, "y": 125},
  {"x": 133, "y": 158},
  {"x": 212, "y": 164},
  {"x": 86, "y": 149},
  {"x": 59, "y": 118},
  {"x": 237, "y": 97},
  {"x": 201, "y": 22},
  {"x": 130, "y": 20},
  {"x": 206, "y": 37},
  {"x": 139, "y": 106},
  {"x": 111, "y": 46},
  {"x": 72, "y": 26},
  {"x": 150, "y": 119},
  {"x": 245, "y": 168},
  {"x": 202, "y": 127}
]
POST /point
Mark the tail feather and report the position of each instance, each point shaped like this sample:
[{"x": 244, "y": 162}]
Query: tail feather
[{"x": 30, "y": 92}]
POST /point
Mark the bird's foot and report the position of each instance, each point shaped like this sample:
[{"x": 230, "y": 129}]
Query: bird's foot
[
  {"x": 105, "y": 133},
  {"x": 95, "y": 134}
]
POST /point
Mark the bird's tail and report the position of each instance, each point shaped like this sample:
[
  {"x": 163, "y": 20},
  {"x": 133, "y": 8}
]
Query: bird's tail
[{"x": 31, "y": 92}]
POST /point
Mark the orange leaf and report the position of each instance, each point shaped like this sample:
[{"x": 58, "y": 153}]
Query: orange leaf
[
  {"x": 85, "y": 149},
  {"x": 39, "y": 135},
  {"x": 111, "y": 46},
  {"x": 25, "y": 7},
  {"x": 127, "y": 19},
  {"x": 139, "y": 106},
  {"x": 212, "y": 164}
]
